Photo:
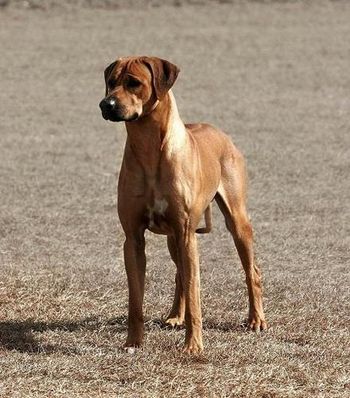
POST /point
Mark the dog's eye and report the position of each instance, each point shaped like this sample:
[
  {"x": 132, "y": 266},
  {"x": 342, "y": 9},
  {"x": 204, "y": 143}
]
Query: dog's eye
[
  {"x": 133, "y": 83},
  {"x": 112, "y": 83}
]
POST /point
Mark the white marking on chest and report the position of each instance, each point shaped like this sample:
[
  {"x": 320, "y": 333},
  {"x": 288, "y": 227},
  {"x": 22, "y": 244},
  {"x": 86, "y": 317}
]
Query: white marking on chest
[{"x": 159, "y": 207}]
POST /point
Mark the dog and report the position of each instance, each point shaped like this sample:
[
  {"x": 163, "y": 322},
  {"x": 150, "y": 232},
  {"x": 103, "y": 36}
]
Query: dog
[{"x": 170, "y": 174}]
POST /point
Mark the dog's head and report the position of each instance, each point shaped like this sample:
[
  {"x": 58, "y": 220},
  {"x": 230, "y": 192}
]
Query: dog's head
[{"x": 134, "y": 85}]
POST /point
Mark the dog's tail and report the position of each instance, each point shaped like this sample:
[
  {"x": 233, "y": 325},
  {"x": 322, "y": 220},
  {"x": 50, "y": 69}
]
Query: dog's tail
[{"x": 207, "y": 218}]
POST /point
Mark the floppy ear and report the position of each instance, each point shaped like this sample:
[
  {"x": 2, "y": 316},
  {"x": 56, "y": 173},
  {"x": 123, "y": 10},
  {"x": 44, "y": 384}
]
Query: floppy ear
[
  {"x": 108, "y": 71},
  {"x": 164, "y": 74}
]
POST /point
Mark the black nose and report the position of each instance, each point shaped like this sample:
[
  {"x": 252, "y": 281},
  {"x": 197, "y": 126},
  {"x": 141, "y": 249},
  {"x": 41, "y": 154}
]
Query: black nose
[{"x": 107, "y": 104}]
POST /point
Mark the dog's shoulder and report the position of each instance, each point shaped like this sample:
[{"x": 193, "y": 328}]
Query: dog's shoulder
[{"x": 203, "y": 131}]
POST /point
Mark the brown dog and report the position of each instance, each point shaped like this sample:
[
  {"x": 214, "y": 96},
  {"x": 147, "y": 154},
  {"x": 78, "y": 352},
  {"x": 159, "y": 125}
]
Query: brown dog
[{"x": 170, "y": 174}]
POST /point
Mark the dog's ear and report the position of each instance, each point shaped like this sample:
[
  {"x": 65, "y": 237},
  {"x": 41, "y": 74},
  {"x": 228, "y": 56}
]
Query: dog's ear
[
  {"x": 164, "y": 74},
  {"x": 108, "y": 72}
]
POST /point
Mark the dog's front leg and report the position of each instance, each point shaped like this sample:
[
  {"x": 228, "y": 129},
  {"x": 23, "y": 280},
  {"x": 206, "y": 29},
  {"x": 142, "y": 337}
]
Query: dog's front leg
[
  {"x": 135, "y": 265},
  {"x": 176, "y": 316},
  {"x": 191, "y": 284}
]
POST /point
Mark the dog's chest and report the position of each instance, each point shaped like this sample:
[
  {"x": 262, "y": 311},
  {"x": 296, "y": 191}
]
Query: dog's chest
[{"x": 157, "y": 207}]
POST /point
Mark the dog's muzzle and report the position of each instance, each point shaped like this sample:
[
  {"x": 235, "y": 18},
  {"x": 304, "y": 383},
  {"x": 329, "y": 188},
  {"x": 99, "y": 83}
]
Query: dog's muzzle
[{"x": 113, "y": 111}]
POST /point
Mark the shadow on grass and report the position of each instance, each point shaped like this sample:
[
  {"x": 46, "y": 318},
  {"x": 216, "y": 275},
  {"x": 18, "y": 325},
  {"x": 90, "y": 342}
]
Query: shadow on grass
[{"x": 20, "y": 335}]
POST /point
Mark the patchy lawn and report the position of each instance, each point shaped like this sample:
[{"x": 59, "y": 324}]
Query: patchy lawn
[{"x": 276, "y": 77}]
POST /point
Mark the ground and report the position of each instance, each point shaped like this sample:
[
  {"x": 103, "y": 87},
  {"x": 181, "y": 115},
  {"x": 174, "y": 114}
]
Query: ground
[{"x": 275, "y": 76}]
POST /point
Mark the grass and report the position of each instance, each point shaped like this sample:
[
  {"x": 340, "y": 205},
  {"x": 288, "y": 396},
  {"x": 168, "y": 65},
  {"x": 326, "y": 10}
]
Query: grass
[{"x": 275, "y": 76}]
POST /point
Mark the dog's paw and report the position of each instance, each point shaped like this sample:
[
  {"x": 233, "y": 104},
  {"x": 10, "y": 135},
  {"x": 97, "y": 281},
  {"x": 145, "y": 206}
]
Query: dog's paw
[
  {"x": 174, "y": 321},
  {"x": 193, "y": 346},
  {"x": 256, "y": 323},
  {"x": 132, "y": 344},
  {"x": 130, "y": 350},
  {"x": 192, "y": 349}
]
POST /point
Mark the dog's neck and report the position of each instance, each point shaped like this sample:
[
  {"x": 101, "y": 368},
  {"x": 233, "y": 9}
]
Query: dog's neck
[{"x": 158, "y": 135}]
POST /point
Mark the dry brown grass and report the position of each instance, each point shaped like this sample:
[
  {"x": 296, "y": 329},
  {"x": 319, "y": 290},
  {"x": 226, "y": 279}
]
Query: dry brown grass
[{"x": 277, "y": 78}]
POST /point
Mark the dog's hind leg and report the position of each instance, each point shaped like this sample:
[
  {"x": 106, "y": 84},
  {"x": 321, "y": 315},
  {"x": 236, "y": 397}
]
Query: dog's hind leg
[
  {"x": 231, "y": 200},
  {"x": 177, "y": 313},
  {"x": 208, "y": 222}
]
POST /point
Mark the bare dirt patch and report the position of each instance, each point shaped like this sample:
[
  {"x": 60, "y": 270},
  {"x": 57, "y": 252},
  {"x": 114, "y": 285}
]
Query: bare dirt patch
[{"x": 276, "y": 77}]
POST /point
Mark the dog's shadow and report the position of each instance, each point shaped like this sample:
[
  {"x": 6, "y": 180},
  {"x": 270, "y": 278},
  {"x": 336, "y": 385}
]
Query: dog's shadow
[{"x": 22, "y": 336}]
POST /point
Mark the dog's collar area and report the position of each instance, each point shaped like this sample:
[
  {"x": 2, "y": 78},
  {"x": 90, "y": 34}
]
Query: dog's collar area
[{"x": 154, "y": 106}]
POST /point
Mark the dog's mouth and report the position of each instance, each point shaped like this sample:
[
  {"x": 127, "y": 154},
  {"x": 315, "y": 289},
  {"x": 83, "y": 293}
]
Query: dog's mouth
[
  {"x": 116, "y": 117},
  {"x": 133, "y": 117}
]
